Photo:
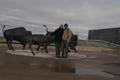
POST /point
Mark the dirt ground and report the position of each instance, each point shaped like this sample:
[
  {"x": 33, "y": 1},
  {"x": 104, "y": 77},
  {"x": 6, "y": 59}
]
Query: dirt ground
[{"x": 97, "y": 66}]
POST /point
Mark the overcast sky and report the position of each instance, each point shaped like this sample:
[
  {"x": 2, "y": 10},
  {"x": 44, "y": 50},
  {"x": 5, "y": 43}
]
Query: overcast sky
[{"x": 81, "y": 15}]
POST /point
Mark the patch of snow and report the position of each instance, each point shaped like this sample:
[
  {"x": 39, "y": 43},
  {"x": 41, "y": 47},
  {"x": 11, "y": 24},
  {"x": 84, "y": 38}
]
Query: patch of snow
[{"x": 45, "y": 55}]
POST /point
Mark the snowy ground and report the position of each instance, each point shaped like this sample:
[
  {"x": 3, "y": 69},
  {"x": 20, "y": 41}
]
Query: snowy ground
[{"x": 45, "y": 55}]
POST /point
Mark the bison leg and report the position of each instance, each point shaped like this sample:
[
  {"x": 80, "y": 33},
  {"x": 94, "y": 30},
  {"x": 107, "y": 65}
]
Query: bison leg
[
  {"x": 31, "y": 49},
  {"x": 75, "y": 49},
  {"x": 68, "y": 49},
  {"x": 24, "y": 43},
  {"x": 46, "y": 49},
  {"x": 38, "y": 47},
  {"x": 30, "y": 46},
  {"x": 24, "y": 46},
  {"x": 10, "y": 43}
]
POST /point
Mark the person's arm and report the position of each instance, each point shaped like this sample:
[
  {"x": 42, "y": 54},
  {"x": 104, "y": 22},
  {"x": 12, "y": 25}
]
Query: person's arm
[{"x": 70, "y": 35}]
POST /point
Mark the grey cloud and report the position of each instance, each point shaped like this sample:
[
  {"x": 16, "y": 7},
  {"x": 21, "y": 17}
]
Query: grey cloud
[{"x": 81, "y": 15}]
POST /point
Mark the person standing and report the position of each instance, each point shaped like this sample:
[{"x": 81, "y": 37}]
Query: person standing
[
  {"x": 67, "y": 34},
  {"x": 58, "y": 33}
]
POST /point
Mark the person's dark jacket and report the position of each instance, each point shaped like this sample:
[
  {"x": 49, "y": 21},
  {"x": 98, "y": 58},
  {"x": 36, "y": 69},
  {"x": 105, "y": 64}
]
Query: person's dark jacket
[{"x": 58, "y": 33}]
